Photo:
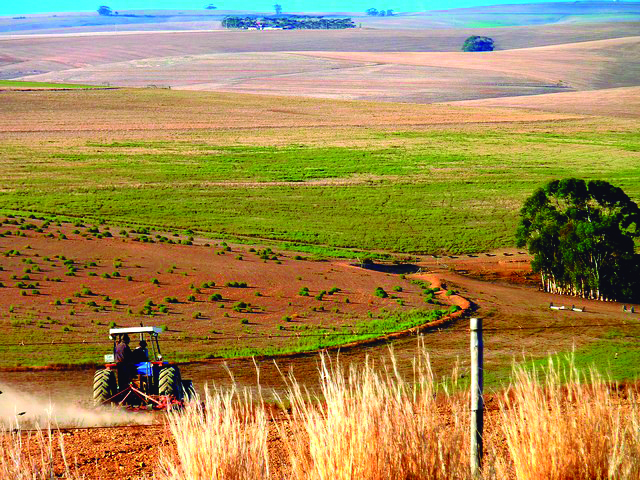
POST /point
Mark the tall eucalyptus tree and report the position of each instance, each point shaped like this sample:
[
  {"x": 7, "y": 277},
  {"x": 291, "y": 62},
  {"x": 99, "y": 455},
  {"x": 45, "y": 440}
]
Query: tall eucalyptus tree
[{"x": 581, "y": 235}]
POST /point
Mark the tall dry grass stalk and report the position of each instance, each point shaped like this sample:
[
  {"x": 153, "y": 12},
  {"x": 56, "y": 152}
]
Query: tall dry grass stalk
[
  {"x": 582, "y": 428},
  {"x": 225, "y": 438},
  {"x": 32, "y": 456},
  {"x": 372, "y": 423}
]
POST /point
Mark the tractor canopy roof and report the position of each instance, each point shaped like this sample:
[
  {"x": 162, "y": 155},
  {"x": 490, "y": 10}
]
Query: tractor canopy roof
[{"x": 149, "y": 330}]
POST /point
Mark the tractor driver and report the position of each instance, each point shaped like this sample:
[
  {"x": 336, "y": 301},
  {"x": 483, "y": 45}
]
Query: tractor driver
[
  {"x": 141, "y": 353},
  {"x": 123, "y": 360}
]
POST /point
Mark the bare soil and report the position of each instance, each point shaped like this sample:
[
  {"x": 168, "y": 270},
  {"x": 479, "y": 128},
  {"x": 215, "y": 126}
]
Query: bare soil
[
  {"x": 117, "y": 277},
  {"x": 407, "y": 76}
]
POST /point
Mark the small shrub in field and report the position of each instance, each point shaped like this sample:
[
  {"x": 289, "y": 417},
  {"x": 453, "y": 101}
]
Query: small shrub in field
[
  {"x": 86, "y": 291},
  {"x": 304, "y": 292},
  {"x": 129, "y": 278},
  {"x": 321, "y": 295},
  {"x": 380, "y": 292},
  {"x": 191, "y": 298},
  {"x": 155, "y": 281},
  {"x": 286, "y": 318},
  {"x": 163, "y": 309},
  {"x": 112, "y": 325},
  {"x": 215, "y": 297},
  {"x": 170, "y": 300},
  {"x": 333, "y": 290},
  {"x": 236, "y": 284},
  {"x": 397, "y": 288},
  {"x": 196, "y": 315},
  {"x": 241, "y": 306},
  {"x": 244, "y": 321}
]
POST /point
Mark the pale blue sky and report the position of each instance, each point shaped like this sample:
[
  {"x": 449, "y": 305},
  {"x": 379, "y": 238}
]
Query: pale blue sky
[{"x": 42, "y": 6}]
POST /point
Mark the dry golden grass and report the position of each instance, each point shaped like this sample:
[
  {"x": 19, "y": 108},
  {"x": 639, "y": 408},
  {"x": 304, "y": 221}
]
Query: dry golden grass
[
  {"x": 109, "y": 113},
  {"x": 375, "y": 425},
  {"x": 226, "y": 438},
  {"x": 583, "y": 429},
  {"x": 32, "y": 456},
  {"x": 369, "y": 422}
]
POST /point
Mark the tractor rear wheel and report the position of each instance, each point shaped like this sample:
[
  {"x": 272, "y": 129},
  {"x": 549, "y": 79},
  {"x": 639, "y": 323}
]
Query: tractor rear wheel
[
  {"x": 104, "y": 386},
  {"x": 189, "y": 390},
  {"x": 170, "y": 382}
]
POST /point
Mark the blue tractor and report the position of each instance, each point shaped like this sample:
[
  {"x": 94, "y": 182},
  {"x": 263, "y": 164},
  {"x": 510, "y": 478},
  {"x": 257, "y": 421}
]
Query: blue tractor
[{"x": 144, "y": 380}]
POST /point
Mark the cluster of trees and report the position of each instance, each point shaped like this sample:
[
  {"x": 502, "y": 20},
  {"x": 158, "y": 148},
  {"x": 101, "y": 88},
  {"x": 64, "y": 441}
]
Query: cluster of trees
[
  {"x": 374, "y": 12},
  {"x": 582, "y": 237},
  {"x": 288, "y": 22},
  {"x": 104, "y": 10},
  {"x": 476, "y": 43}
]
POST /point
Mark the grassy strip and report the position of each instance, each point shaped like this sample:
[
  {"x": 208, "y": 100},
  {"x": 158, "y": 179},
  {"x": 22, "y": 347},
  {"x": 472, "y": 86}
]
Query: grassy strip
[
  {"x": 617, "y": 355},
  {"x": 319, "y": 338},
  {"x": 310, "y": 339},
  {"x": 27, "y": 84}
]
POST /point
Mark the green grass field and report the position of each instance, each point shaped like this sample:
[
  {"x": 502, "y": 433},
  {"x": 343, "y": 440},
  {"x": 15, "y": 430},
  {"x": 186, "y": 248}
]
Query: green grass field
[
  {"x": 27, "y": 84},
  {"x": 404, "y": 191}
]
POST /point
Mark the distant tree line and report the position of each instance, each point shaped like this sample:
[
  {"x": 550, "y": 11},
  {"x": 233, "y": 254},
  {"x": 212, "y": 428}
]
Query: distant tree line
[
  {"x": 288, "y": 22},
  {"x": 374, "y": 12}
]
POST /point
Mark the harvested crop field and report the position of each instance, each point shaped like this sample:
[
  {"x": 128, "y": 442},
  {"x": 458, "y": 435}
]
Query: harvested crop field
[
  {"x": 620, "y": 102},
  {"x": 420, "y": 77}
]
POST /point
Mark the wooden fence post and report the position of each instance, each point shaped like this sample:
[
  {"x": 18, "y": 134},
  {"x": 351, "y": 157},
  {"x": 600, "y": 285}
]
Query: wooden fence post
[{"x": 477, "y": 403}]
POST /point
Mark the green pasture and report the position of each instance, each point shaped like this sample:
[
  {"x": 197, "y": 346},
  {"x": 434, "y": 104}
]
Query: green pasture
[
  {"x": 22, "y": 83},
  {"x": 406, "y": 191},
  {"x": 615, "y": 356}
]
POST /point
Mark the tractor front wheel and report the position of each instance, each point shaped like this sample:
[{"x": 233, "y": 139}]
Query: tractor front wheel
[
  {"x": 170, "y": 382},
  {"x": 104, "y": 386}
]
